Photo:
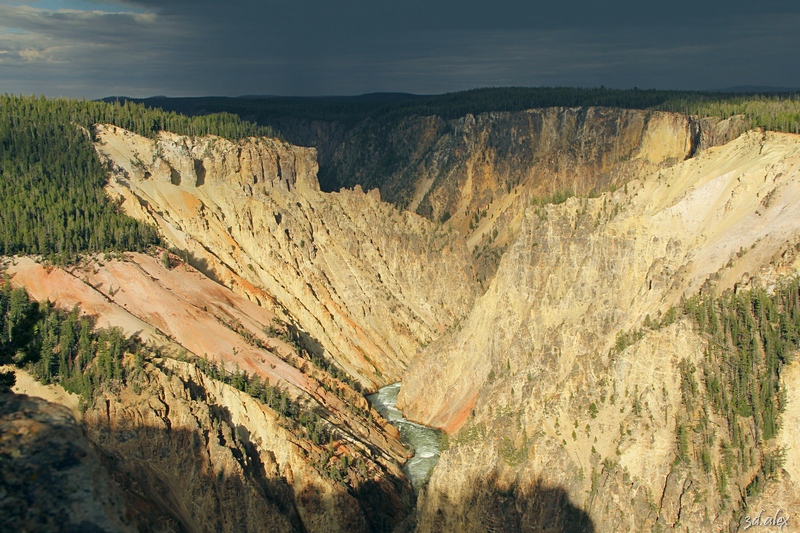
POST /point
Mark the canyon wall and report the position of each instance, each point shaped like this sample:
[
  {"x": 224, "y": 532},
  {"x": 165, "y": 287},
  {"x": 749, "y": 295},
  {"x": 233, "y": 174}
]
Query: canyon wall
[
  {"x": 513, "y": 385},
  {"x": 479, "y": 171},
  {"x": 188, "y": 449},
  {"x": 364, "y": 283}
]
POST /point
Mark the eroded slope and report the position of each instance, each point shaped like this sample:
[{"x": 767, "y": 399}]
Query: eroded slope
[
  {"x": 540, "y": 346},
  {"x": 365, "y": 283},
  {"x": 192, "y": 451}
]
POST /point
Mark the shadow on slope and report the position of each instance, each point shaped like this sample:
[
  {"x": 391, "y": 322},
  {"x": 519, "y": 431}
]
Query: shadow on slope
[
  {"x": 519, "y": 508},
  {"x": 217, "y": 479}
]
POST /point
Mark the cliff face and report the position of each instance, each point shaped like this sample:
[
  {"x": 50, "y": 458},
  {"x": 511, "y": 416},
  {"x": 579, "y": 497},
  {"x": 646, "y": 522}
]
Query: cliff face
[
  {"x": 192, "y": 452},
  {"x": 404, "y": 158},
  {"x": 479, "y": 172},
  {"x": 514, "y": 383},
  {"x": 363, "y": 282}
]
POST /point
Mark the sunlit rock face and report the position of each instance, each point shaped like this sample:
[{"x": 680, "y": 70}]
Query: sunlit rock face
[
  {"x": 532, "y": 388},
  {"x": 368, "y": 283}
]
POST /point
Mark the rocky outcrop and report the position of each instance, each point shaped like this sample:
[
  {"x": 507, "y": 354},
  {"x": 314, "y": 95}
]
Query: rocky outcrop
[
  {"x": 364, "y": 283},
  {"x": 513, "y": 385},
  {"x": 52, "y": 479}
]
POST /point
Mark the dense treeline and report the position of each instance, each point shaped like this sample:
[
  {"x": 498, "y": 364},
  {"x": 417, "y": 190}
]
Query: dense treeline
[
  {"x": 17, "y": 319},
  {"x": 777, "y": 111},
  {"x": 148, "y": 121},
  {"x": 384, "y": 108},
  {"x": 62, "y": 347},
  {"x": 273, "y": 110},
  {"x": 772, "y": 112},
  {"x": 52, "y": 201},
  {"x": 751, "y": 335},
  {"x": 51, "y": 187}
]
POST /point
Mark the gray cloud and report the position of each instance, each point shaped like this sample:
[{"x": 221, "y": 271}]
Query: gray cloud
[{"x": 197, "y": 47}]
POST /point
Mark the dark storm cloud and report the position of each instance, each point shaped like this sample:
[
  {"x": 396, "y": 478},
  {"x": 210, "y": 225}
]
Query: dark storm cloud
[
  {"x": 195, "y": 47},
  {"x": 477, "y": 14}
]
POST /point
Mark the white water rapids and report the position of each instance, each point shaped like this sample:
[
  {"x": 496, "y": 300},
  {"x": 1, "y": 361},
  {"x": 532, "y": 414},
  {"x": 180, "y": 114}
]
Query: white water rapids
[{"x": 424, "y": 441}]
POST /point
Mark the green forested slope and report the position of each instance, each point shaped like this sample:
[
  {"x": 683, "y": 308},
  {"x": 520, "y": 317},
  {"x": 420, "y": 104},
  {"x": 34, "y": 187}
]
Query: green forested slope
[
  {"x": 751, "y": 336},
  {"x": 51, "y": 182},
  {"x": 62, "y": 346}
]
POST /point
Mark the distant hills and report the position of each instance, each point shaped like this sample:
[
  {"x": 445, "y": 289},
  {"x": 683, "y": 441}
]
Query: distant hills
[
  {"x": 284, "y": 112},
  {"x": 759, "y": 89}
]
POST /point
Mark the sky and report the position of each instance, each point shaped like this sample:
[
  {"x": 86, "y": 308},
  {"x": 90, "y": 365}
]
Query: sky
[{"x": 139, "y": 48}]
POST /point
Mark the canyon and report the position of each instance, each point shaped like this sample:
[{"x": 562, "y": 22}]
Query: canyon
[{"x": 493, "y": 272}]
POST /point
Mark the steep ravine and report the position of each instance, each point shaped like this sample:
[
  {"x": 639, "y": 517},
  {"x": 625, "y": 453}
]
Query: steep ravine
[
  {"x": 509, "y": 375},
  {"x": 479, "y": 171}
]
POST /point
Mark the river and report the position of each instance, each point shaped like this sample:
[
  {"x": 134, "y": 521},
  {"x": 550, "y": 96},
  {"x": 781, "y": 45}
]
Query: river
[{"x": 425, "y": 442}]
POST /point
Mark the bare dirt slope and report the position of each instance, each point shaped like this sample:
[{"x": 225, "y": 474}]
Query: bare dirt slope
[{"x": 158, "y": 305}]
